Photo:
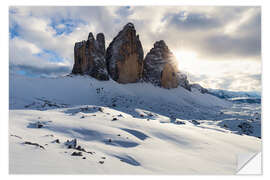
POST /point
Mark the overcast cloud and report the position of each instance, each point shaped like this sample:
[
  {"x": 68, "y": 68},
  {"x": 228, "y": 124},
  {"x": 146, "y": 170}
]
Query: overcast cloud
[{"x": 42, "y": 39}]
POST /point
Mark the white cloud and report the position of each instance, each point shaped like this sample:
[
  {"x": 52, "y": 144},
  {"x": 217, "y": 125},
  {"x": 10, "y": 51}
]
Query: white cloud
[{"x": 211, "y": 33}]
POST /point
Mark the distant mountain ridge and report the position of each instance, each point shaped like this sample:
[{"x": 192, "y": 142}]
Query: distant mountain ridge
[{"x": 236, "y": 96}]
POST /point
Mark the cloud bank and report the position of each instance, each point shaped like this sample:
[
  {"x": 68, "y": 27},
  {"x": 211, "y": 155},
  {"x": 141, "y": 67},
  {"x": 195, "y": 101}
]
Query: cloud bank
[{"x": 41, "y": 39}]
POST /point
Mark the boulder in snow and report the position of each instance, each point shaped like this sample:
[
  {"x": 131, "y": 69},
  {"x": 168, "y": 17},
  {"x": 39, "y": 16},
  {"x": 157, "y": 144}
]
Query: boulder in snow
[
  {"x": 71, "y": 144},
  {"x": 246, "y": 128},
  {"x": 76, "y": 153}
]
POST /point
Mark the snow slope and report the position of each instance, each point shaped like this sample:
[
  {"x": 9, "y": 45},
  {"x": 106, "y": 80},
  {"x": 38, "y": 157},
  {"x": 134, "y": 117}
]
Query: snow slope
[{"x": 123, "y": 129}]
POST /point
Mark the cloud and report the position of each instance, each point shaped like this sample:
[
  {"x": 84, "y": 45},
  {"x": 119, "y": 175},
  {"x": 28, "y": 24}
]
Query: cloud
[
  {"x": 192, "y": 21},
  {"x": 50, "y": 70},
  {"x": 28, "y": 57},
  {"x": 42, "y": 38}
]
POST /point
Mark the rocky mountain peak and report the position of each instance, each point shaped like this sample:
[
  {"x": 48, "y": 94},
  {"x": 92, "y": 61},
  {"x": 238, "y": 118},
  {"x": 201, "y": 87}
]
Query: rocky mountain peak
[
  {"x": 100, "y": 38},
  {"x": 124, "y": 56},
  {"x": 160, "y": 66},
  {"x": 89, "y": 57},
  {"x": 123, "y": 60},
  {"x": 161, "y": 44},
  {"x": 91, "y": 36},
  {"x": 129, "y": 25}
]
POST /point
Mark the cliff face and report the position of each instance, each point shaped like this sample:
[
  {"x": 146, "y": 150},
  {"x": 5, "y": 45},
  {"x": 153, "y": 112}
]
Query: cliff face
[
  {"x": 160, "y": 66},
  {"x": 123, "y": 60},
  {"x": 89, "y": 57},
  {"x": 124, "y": 56}
]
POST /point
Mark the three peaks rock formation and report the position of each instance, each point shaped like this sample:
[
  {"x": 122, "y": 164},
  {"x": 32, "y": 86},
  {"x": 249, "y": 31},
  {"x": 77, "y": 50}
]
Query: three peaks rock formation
[{"x": 124, "y": 60}]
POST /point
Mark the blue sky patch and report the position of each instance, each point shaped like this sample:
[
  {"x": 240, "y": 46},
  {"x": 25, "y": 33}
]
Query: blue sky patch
[
  {"x": 14, "y": 31},
  {"x": 65, "y": 26},
  {"x": 49, "y": 55}
]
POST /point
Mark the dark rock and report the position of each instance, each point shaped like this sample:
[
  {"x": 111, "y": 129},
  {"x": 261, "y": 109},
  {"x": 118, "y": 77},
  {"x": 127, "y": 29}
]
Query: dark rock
[
  {"x": 195, "y": 122},
  {"x": 199, "y": 88},
  {"x": 110, "y": 140},
  {"x": 34, "y": 144},
  {"x": 84, "y": 158},
  {"x": 101, "y": 162},
  {"x": 71, "y": 144},
  {"x": 100, "y": 109},
  {"x": 173, "y": 118},
  {"x": 124, "y": 56},
  {"x": 76, "y": 153},
  {"x": 180, "y": 122},
  {"x": 160, "y": 66},
  {"x": 56, "y": 141},
  {"x": 183, "y": 81},
  {"x": 79, "y": 148},
  {"x": 49, "y": 135},
  {"x": 246, "y": 128},
  {"x": 89, "y": 57},
  {"x": 114, "y": 119},
  {"x": 16, "y": 136},
  {"x": 90, "y": 152},
  {"x": 37, "y": 124}
]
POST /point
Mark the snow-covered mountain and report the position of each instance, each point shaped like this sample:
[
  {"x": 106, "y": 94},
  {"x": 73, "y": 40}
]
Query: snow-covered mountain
[
  {"x": 237, "y": 96},
  {"x": 77, "y": 124}
]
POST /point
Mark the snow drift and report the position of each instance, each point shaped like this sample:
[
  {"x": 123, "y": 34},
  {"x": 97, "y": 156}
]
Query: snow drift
[{"x": 123, "y": 129}]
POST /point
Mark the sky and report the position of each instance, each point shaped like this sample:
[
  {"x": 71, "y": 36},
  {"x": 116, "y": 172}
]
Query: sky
[{"x": 218, "y": 47}]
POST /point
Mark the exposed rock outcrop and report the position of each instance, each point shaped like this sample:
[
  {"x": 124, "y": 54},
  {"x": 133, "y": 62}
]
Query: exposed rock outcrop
[
  {"x": 89, "y": 57},
  {"x": 124, "y": 56},
  {"x": 199, "y": 88},
  {"x": 160, "y": 66},
  {"x": 124, "y": 61},
  {"x": 183, "y": 81}
]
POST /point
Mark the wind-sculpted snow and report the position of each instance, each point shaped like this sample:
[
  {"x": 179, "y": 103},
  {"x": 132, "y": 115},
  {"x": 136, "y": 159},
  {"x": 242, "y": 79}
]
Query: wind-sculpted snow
[
  {"x": 138, "y": 134},
  {"x": 125, "y": 129},
  {"x": 129, "y": 160}
]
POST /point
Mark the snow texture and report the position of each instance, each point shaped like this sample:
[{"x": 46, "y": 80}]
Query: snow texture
[{"x": 125, "y": 129}]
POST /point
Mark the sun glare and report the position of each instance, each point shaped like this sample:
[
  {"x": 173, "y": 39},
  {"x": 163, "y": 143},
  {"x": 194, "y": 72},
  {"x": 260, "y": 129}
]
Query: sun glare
[{"x": 184, "y": 57}]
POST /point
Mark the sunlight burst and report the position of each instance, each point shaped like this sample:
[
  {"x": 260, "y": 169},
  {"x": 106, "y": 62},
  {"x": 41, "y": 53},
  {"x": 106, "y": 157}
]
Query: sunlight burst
[{"x": 185, "y": 56}]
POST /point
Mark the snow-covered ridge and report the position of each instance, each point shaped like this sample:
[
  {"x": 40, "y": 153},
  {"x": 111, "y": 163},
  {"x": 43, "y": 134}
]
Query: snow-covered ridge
[
  {"x": 84, "y": 90},
  {"x": 76, "y": 124}
]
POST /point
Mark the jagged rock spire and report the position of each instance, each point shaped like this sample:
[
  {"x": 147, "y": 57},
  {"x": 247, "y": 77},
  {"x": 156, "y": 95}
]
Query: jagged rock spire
[
  {"x": 160, "y": 66},
  {"x": 124, "y": 56},
  {"x": 89, "y": 57}
]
